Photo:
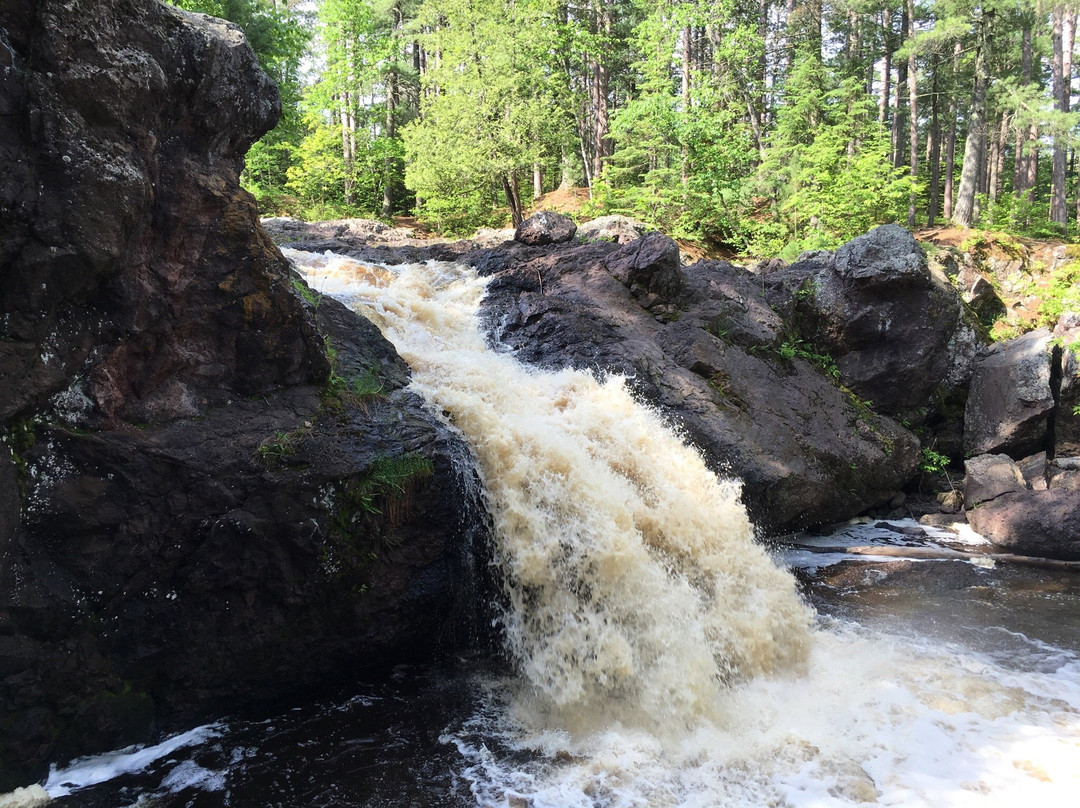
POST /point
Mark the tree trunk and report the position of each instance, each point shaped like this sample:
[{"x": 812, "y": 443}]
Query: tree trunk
[
  {"x": 758, "y": 89},
  {"x": 391, "y": 132},
  {"x": 899, "y": 117},
  {"x": 913, "y": 111},
  {"x": 950, "y": 146},
  {"x": 1026, "y": 147},
  {"x": 686, "y": 62},
  {"x": 600, "y": 86},
  {"x": 538, "y": 181},
  {"x": 1062, "y": 47},
  {"x": 964, "y": 214},
  {"x": 346, "y": 156},
  {"x": 583, "y": 144},
  {"x": 886, "y": 66},
  {"x": 934, "y": 144},
  {"x": 513, "y": 198},
  {"x": 997, "y": 161}
]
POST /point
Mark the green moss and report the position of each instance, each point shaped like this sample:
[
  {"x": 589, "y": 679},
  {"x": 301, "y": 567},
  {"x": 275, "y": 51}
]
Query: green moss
[
  {"x": 800, "y": 349},
  {"x": 367, "y": 511},
  {"x": 309, "y": 295},
  {"x": 20, "y": 435},
  {"x": 808, "y": 290},
  {"x": 283, "y": 444},
  {"x": 355, "y": 389}
]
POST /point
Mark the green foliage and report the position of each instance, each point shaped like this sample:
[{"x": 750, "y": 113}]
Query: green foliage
[
  {"x": 1003, "y": 330},
  {"x": 1061, "y": 295},
  {"x": 1019, "y": 214},
  {"x": 491, "y": 108},
  {"x": 800, "y": 349},
  {"x": 827, "y": 176},
  {"x": 758, "y": 133},
  {"x": 348, "y": 160},
  {"x": 933, "y": 462},
  {"x": 367, "y": 510},
  {"x": 283, "y": 444}
]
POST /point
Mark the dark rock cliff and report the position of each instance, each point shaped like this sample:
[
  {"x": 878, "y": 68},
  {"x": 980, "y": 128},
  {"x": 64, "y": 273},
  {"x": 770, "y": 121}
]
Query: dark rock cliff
[
  {"x": 197, "y": 512},
  {"x": 703, "y": 344}
]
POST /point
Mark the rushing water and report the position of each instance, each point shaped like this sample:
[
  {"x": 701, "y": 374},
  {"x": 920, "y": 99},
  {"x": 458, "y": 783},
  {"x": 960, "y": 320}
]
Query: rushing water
[{"x": 659, "y": 656}]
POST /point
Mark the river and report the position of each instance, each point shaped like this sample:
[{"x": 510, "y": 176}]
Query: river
[{"x": 656, "y": 654}]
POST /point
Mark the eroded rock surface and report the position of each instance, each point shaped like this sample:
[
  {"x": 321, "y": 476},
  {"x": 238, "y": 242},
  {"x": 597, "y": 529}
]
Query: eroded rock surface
[
  {"x": 1045, "y": 524},
  {"x": 619, "y": 229},
  {"x": 896, "y": 330},
  {"x": 196, "y": 515},
  {"x": 1065, "y": 383},
  {"x": 545, "y": 227},
  {"x": 122, "y": 131},
  {"x": 989, "y": 476},
  {"x": 1010, "y": 402}
]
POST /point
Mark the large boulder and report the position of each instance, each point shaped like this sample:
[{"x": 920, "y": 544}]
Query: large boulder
[
  {"x": 545, "y": 227},
  {"x": 1010, "y": 401},
  {"x": 137, "y": 281},
  {"x": 898, "y": 332},
  {"x": 1045, "y": 524},
  {"x": 1030, "y": 507},
  {"x": 1066, "y": 385},
  {"x": 616, "y": 228},
  {"x": 703, "y": 345},
  {"x": 196, "y": 516},
  {"x": 987, "y": 477}
]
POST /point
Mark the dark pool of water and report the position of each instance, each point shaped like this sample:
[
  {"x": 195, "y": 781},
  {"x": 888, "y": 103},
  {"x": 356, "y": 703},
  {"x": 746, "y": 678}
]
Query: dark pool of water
[
  {"x": 384, "y": 744},
  {"x": 379, "y": 747}
]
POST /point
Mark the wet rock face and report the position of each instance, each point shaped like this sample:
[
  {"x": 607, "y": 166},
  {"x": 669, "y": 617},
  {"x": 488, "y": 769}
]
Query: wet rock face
[
  {"x": 137, "y": 283},
  {"x": 1028, "y": 507},
  {"x": 1045, "y": 524},
  {"x": 1010, "y": 402},
  {"x": 194, "y": 519},
  {"x": 987, "y": 477},
  {"x": 276, "y": 547},
  {"x": 897, "y": 332},
  {"x": 702, "y": 343},
  {"x": 1066, "y": 385}
]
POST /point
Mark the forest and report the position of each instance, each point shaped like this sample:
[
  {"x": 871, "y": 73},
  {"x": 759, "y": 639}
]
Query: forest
[{"x": 763, "y": 126}]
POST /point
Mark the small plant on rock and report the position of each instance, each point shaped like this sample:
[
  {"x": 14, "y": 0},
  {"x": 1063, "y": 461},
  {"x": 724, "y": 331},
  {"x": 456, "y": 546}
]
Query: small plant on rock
[
  {"x": 933, "y": 462},
  {"x": 309, "y": 295}
]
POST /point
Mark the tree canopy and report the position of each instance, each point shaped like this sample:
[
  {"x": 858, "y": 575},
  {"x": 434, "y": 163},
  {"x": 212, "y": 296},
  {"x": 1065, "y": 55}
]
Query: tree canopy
[{"x": 768, "y": 126}]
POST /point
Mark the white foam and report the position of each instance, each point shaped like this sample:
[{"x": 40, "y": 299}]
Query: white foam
[
  {"x": 630, "y": 570},
  {"x": 88, "y": 771},
  {"x": 874, "y": 720},
  {"x": 189, "y": 774},
  {"x": 29, "y": 797},
  {"x": 868, "y": 719}
]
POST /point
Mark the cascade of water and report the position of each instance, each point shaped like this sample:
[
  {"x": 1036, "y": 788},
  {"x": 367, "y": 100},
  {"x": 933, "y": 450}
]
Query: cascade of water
[
  {"x": 640, "y": 613},
  {"x": 634, "y": 584}
]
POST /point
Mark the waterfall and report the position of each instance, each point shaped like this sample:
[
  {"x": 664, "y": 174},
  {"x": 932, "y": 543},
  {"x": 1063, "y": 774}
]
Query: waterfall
[
  {"x": 633, "y": 582},
  {"x": 662, "y": 658}
]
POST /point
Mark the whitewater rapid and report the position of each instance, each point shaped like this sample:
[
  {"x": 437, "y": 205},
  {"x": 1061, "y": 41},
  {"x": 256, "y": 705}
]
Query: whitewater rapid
[{"x": 662, "y": 656}]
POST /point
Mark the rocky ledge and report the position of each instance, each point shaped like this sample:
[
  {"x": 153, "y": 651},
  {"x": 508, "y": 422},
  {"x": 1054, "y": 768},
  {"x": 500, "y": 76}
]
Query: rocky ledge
[
  {"x": 822, "y": 385},
  {"x": 711, "y": 345}
]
